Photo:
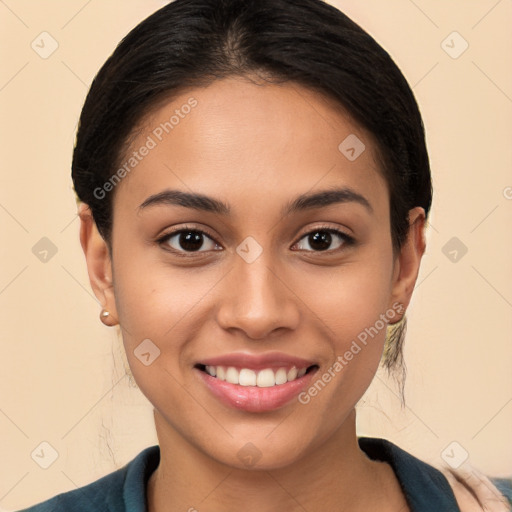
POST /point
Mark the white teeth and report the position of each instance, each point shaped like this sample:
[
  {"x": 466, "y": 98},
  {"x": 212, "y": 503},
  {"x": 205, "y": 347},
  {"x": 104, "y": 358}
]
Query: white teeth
[
  {"x": 263, "y": 379},
  {"x": 266, "y": 378},
  {"x": 247, "y": 377},
  {"x": 292, "y": 373},
  {"x": 232, "y": 375},
  {"x": 281, "y": 376}
]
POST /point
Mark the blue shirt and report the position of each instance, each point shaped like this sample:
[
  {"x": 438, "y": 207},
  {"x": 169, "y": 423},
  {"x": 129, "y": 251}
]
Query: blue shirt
[{"x": 426, "y": 488}]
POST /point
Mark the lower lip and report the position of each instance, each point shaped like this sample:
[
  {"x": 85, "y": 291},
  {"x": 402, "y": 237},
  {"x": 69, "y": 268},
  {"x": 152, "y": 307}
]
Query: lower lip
[{"x": 253, "y": 398}]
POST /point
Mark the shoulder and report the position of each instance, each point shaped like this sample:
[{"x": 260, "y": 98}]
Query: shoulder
[
  {"x": 102, "y": 494},
  {"x": 119, "y": 491},
  {"x": 424, "y": 486},
  {"x": 430, "y": 488},
  {"x": 476, "y": 492}
]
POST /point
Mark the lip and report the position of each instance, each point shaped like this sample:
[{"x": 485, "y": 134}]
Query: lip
[
  {"x": 273, "y": 360},
  {"x": 253, "y": 398}
]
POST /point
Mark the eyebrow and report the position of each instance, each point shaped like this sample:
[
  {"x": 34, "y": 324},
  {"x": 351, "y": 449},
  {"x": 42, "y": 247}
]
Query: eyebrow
[{"x": 302, "y": 202}]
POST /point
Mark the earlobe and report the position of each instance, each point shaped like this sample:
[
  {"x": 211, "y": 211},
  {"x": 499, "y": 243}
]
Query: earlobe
[
  {"x": 408, "y": 260},
  {"x": 99, "y": 264}
]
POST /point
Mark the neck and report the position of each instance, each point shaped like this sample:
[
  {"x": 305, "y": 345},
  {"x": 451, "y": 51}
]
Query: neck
[{"x": 188, "y": 479}]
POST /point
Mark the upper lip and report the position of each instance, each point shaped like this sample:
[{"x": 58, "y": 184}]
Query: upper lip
[{"x": 257, "y": 361}]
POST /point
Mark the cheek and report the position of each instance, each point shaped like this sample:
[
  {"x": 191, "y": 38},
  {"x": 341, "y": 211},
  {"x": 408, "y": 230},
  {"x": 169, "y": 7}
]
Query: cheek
[
  {"x": 354, "y": 316},
  {"x": 350, "y": 299},
  {"x": 155, "y": 309},
  {"x": 353, "y": 310},
  {"x": 156, "y": 300}
]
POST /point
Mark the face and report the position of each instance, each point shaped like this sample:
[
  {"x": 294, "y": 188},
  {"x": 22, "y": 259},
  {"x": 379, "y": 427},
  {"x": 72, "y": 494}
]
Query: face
[{"x": 251, "y": 278}]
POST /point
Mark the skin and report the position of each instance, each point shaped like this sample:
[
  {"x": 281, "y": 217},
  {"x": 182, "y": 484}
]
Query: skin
[{"x": 255, "y": 147}]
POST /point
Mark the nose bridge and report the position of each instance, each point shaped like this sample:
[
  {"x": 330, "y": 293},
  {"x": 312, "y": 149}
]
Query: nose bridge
[{"x": 256, "y": 301}]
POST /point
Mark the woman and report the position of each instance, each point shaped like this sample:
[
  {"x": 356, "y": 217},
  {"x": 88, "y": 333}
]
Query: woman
[{"x": 254, "y": 185}]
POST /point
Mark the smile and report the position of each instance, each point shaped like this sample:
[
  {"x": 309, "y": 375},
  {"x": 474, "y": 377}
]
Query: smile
[
  {"x": 253, "y": 390},
  {"x": 265, "y": 378}
]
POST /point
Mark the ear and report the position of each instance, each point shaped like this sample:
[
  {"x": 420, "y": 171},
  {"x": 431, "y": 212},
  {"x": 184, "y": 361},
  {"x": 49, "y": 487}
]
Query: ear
[
  {"x": 99, "y": 264},
  {"x": 407, "y": 262}
]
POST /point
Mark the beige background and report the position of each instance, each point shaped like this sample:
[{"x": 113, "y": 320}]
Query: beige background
[{"x": 62, "y": 378}]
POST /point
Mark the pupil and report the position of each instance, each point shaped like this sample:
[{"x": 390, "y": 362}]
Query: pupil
[
  {"x": 322, "y": 239},
  {"x": 191, "y": 241}
]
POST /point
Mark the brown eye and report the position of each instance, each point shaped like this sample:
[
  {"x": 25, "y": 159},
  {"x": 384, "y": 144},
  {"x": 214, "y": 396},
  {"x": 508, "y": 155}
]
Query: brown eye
[
  {"x": 321, "y": 239},
  {"x": 188, "y": 240}
]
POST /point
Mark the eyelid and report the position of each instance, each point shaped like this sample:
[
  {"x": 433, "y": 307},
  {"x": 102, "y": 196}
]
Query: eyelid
[{"x": 325, "y": 227}]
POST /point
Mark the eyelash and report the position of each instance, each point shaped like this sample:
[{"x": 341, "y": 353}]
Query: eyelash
[{"x": 347, "y": 240}]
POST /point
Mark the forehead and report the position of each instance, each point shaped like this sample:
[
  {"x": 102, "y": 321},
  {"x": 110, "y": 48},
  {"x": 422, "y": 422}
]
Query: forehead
[{"x": 248, "y": 141}]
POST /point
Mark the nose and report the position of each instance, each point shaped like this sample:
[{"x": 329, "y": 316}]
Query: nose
[{"x": 257, "y": 299}]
